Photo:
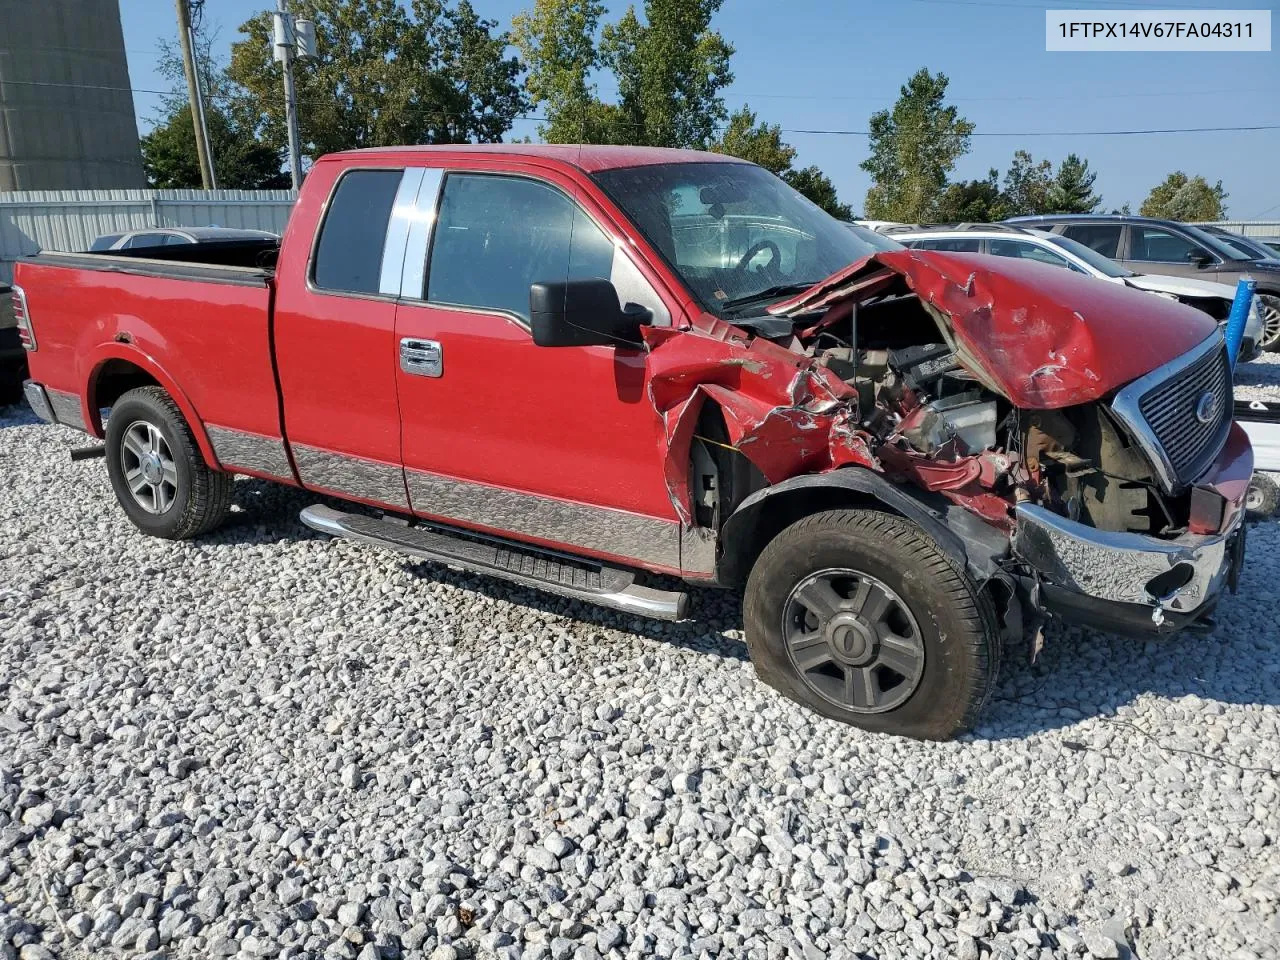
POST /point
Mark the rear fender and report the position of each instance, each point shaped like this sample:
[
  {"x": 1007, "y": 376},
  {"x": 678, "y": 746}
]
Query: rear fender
[{"x": 129, "y": 353}]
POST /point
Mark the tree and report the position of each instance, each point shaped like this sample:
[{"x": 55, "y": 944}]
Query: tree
[
  {"x": 1072, "y": 188},
  {"x": 1026, "y": 185},
  {"x": 762, "y": 144},
  {"x": 669, "y": 71},
  {"x": 973, "y": 201},
  {"x": 1185, "y": 198},
  {"x": 817, "y": 186},
  {"x": 241, "y": 161},
  {"x": 423, "y": 72},
  {"x": 913, "y": 149}
]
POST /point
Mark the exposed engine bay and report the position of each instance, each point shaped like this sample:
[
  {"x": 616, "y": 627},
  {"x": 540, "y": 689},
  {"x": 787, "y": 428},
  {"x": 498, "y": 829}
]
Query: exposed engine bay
[
  {"x": 917, "y": 400},
  {"x": 929, "y": 372}
]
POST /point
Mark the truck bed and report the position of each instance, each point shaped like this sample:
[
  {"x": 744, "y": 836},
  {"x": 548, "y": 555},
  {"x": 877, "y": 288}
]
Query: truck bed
[{"x": 202, "y": 330}]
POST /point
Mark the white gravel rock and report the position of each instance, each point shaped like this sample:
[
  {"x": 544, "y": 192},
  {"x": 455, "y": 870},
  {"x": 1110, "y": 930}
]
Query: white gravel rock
[{"x": 266, "y": 743}]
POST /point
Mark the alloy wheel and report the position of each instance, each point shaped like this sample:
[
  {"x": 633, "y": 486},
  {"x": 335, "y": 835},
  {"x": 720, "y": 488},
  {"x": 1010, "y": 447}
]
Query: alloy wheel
[
  {"x": 853, "y": 640},
  {"x": 149, "y": 468}
]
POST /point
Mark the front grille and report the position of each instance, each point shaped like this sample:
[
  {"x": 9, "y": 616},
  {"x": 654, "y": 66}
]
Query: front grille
[{"x": 1170, "y": 410}]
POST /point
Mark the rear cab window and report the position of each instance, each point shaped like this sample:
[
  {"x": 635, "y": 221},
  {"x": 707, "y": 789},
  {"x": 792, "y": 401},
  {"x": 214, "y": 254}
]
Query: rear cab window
[{"x": 348, "y": 255}]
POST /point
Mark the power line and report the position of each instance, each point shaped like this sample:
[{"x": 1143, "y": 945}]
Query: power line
[
  {"x": 1016, "y": 99},
  {"x": 445, "y": 115}
]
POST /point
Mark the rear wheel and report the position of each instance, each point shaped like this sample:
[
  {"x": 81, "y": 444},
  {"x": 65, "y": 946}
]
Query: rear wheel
[
  {"x": 858, "y": 615},
  {"x": 1269, "y": 309},
  {"x": 156, "y": 469}
]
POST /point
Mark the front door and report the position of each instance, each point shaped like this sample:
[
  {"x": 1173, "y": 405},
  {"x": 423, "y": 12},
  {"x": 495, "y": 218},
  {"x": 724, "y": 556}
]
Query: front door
[
  {"x": 1159, "y": 250},
  {"x": 559, "y": 446}
]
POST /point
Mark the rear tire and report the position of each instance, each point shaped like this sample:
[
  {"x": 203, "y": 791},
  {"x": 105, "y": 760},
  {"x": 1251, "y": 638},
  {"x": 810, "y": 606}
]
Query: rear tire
[
  {"x": 858, "y": 615},
  {"x": 157, "y": 471}
]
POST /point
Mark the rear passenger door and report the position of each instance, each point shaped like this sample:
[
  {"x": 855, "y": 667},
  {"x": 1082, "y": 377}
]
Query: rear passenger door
[{"x": 559, "y": 446}]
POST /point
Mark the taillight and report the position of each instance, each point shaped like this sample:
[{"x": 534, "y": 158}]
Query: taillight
[{"x": 26, "y": 335}]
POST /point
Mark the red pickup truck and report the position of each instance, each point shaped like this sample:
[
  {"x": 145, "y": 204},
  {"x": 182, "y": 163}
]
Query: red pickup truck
[{"x": 597, "y": 369}]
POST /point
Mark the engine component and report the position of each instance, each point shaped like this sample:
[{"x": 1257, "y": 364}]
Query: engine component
[{"x": 965, "y": 416}]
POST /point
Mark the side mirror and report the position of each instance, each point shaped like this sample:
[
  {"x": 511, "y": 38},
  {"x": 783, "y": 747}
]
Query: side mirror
[
  {"x": 1199, "y": 257},
  {"x": 583, "y": 313}
]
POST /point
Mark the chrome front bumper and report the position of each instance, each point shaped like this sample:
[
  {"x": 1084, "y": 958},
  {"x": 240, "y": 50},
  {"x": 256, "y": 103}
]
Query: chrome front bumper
[{"x": 1179, "y": 576}]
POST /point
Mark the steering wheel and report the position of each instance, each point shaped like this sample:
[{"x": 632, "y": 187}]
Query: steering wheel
[{"x": 775, "y": 256}]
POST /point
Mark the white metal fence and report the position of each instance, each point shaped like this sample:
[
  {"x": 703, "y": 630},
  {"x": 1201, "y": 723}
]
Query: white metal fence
[
  {"x": 1248, "y": 228},
  {"x": 34, "y": 220}
]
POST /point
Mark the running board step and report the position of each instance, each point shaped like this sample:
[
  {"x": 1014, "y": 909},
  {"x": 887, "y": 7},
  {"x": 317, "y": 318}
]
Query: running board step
[{"x": 555, "y": 573}]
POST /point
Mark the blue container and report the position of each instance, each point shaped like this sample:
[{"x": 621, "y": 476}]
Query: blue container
[{"x": 1239, "y": 314}]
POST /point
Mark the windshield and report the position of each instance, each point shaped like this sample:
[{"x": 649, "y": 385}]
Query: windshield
[
  {"x": 1250, "y": 248},
  {"x": 737, "y": 235},
  {"x": 871, "y": 238},
  {"x": 1090, "y": 256},
  {"x": 1218, "y": 245}
]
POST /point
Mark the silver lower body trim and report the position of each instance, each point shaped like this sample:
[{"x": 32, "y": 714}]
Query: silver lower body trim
[
  {"x": 250, "y": 451},
  {"x": 38, "y": 401},
  {"x": 66, "y": 409},
  {"x": 1121, "y": 567},
  {"x": 370, "y": 480},
  {"x": 617, "y": 533}
]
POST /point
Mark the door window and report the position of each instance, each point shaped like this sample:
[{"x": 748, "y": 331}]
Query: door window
[
  {"x": 967, "y": 245},
  {"x": 1155, "y": 245},
  {"x": 348, "y": 255},
  {"x": 497, "y": 236},
  {"x": 1023, "y": 250},
  {"x": 146, "y": 240},
  {"x": 1102, "y": 237}
]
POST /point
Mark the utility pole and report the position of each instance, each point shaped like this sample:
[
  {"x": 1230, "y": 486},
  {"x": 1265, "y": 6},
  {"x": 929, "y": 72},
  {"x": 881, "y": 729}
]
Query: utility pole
[
  {"x": 187, "y": 39},
  {"x": 286, "y": 51}
]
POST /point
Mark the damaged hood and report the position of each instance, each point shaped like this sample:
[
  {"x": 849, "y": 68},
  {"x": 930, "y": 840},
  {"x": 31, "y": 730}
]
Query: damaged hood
[{"x": 1042, "y": 336}]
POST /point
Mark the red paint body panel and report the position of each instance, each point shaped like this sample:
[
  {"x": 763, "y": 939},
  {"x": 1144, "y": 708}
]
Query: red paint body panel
[{"x": 207, "y": 343}]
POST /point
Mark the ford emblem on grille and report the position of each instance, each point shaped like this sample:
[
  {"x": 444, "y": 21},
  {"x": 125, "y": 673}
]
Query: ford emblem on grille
[{"x": 1206, "y": 406}]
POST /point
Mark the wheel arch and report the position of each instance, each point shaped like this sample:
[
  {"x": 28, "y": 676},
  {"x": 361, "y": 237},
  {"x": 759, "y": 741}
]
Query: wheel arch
[
  {"x": 971, "y": 543},
  {"x": 117, "y": 368}
]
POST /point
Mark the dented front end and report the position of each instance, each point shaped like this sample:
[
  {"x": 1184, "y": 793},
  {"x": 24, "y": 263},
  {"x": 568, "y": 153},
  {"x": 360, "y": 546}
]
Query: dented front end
[{"x": 1088, "y": 424}]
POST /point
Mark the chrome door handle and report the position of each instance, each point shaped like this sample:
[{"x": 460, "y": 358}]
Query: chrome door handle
[{"x": 422, "y": 358}]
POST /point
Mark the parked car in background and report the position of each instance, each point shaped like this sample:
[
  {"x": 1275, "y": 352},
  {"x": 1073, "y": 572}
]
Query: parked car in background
[
  {"x": 1024, "y": 243},
  {"x": 1248, "y": 245},
  {"x": 586, "y": 369},
  {"x": 1169, "y": 247},
  {"x": 172, "y": 236}
]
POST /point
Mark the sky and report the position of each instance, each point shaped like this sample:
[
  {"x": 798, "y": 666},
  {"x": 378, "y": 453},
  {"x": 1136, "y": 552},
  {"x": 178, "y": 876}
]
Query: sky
[{"x": 829, "y": 64}]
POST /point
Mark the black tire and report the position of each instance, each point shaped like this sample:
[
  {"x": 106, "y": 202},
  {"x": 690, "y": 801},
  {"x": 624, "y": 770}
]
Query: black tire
[
  {"x": 197, "y": 500},
  {"x": 1262, "y": 497},
  {"x": 954, "y": 624}
]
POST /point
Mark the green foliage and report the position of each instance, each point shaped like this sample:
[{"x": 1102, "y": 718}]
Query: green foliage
[
  {"x": 762, "y": 144},
  {"x": 973, "y": 201},
  {"x": 914, "y": 147},
  {"x": 424, "y": 72},
  {"x": 817, "y": 186},
  {"x": 1072, "y": 188},
  {"x": 1185, "y": 198},
  {"x": 1026, "y": 185},
  {"x": 669, "y": 70},
  {"x": 241, "y": 162}
]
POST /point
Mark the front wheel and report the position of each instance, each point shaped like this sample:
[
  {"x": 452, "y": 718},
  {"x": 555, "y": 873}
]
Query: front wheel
[
  {"x": 156, "y": 469},
  {"x": 858, "y": 615},
  {"x": 1269, "y": 309}
]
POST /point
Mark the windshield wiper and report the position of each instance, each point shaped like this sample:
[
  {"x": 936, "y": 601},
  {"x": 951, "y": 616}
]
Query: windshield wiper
[{"x": 768, "y": 293}]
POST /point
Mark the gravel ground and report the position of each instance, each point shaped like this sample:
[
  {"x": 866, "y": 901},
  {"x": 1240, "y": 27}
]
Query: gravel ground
[{"x": 269, "y": 744}]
